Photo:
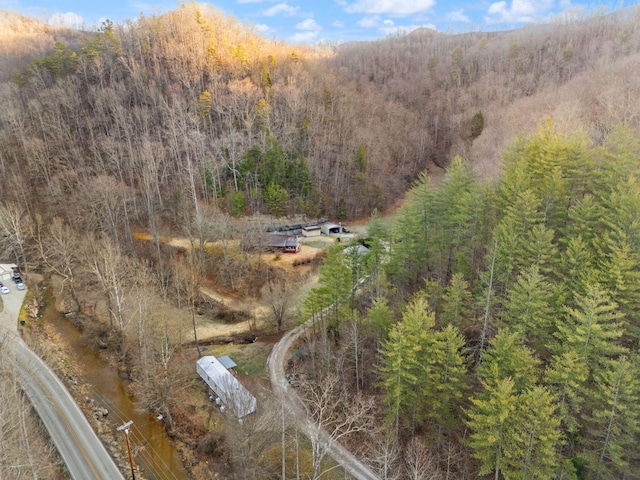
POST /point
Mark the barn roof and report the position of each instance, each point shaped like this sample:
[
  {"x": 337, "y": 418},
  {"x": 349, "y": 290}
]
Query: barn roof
[
  {"x": 227, "y": 362},
  {"x": 282, "y": 240}
]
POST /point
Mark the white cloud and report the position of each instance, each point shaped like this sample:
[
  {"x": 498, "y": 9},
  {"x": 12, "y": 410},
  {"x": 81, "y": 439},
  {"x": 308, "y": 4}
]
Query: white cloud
[
  {"x": 303, "y": 37},
  {"x": 68, "y": 19},
  {"x": 518, "y": 11},
  {"x": 457, "y": 16},
  {"x": 338, "y": 24},
  {"x": 309, "y": 25},
  {"x": 263, "y": 28},
  {"x": 281, "y": 8},
  {"x": 388, "y": 22},
  {"x": 390, "y": 7},
  {"x": 372, "y": 21}
]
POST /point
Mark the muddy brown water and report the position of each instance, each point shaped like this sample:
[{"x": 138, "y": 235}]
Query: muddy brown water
[{"x": 154, "y": 452}]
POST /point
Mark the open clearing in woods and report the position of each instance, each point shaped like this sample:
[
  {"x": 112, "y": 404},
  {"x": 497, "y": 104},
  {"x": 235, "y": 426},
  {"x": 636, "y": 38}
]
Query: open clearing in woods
[{"x": 257, "y": 309}]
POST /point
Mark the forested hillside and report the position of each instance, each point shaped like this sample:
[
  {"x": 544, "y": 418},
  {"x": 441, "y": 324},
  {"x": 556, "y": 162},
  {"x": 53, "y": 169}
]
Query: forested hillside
[
  {"x": 500, "y": 330},
  {"x": 193, "y": 107}
]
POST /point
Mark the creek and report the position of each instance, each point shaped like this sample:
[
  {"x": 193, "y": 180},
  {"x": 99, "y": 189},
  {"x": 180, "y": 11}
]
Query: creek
[{"x": 153, "y": 450}]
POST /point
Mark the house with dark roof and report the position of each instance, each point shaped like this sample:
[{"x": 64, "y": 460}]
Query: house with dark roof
[{"x": 282, "y": 242}]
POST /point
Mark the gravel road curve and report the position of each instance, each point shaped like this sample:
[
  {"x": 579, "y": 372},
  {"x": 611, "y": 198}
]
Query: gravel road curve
[{"x": 292, "y": 403}]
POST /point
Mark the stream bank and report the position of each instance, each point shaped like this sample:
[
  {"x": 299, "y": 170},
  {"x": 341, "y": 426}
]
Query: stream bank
[{"x": 101, "y": 391}]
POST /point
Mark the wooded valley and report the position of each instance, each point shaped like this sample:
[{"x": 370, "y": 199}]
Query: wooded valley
[{"x": 491, "y": 330}]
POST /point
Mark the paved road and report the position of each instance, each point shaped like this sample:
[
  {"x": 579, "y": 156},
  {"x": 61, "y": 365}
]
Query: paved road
[
  {"x": 79, "y": 446},
  {"x": 276, "y": 363}
]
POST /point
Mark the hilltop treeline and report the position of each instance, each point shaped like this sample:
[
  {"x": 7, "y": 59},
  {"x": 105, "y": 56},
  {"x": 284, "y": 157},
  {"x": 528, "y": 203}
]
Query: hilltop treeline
[
  {"x": 22, "y": 39},
  {"x": 507, "y": 78},
  {"x": 498, "y": 323}
]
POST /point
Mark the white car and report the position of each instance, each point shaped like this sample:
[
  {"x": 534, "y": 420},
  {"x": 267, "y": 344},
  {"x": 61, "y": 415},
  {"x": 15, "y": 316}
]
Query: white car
[
  {"x": 20, "y": 285},
  {"x": 4, "y": 289}
]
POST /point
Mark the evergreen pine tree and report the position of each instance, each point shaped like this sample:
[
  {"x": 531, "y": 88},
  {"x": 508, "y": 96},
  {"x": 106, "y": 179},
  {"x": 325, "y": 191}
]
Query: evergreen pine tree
[
  {"x": 380, "y": 318},
  {"x": 611, "y": 439},
  {"x": 507, "y": 357},
  {"x": 451, "y": 367},
  {"x": 534, "y": 455},
  {"x": 592, "y": 329},
  {"x": 406, "y": 373},
  {"x": 512, "y": 233},
  {"x": 492, "y": 420},
  {"x": 457, "y": 302},
  {"x": 567, "y": 377},
  {"x": 531, "y": 309}
]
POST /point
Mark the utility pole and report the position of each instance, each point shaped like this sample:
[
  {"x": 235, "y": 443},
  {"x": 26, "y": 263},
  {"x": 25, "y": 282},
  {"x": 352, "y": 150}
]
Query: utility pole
[
  {"x": 283, "y": 451},
  {"x": 125, "y": 427}
]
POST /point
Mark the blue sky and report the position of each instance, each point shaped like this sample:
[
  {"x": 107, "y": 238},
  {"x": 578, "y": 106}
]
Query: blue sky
[{"x": 333, "y": 21}]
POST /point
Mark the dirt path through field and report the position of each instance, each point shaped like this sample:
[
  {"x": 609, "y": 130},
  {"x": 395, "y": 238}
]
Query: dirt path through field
[{"x": 258, "y": 309}]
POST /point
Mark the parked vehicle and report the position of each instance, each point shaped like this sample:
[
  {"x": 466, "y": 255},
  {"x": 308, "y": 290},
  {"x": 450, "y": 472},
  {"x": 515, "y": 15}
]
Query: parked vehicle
[
  {"x": 3, "y": 289},
  {"x": 20, "y": 285}
]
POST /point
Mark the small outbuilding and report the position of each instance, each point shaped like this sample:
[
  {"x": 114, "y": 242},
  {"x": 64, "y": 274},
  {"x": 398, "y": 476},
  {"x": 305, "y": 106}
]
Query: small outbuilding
[
  {"x": 226, "y": 387},
  {"x": 330, "y": 228},
  {"x": 311, "y": 231},
  {"x": 7, "y": 271},
  {"x": 227, "y": 363}
]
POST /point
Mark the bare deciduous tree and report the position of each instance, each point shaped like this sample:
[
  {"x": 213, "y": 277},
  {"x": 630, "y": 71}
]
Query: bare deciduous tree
[
  {"x": 333, "y": 413},
  {"x": 420, "y": 464},
  {"x": 187, "y": 282},
  {"x": 386, "y": 456},
  {"x": 15, "y": 229},
  {"x": 250, "y": 437},
  {"x": 278, "y": 295},
  {"x": 112, "y": 270},
  {"x": 158, "y": 339},
  {"x": 107, "y": 199},
  {"x": 59, "y": 252}
]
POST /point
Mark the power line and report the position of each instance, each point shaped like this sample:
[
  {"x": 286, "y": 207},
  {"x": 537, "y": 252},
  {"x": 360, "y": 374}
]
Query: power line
[{"x": 150, "y": 455}]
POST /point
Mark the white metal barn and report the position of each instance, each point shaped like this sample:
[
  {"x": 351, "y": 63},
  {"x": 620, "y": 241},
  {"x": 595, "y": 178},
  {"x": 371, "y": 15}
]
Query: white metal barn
[
  {"x": 226, "y": 386},
  {"x": 330, "y": 228}
]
